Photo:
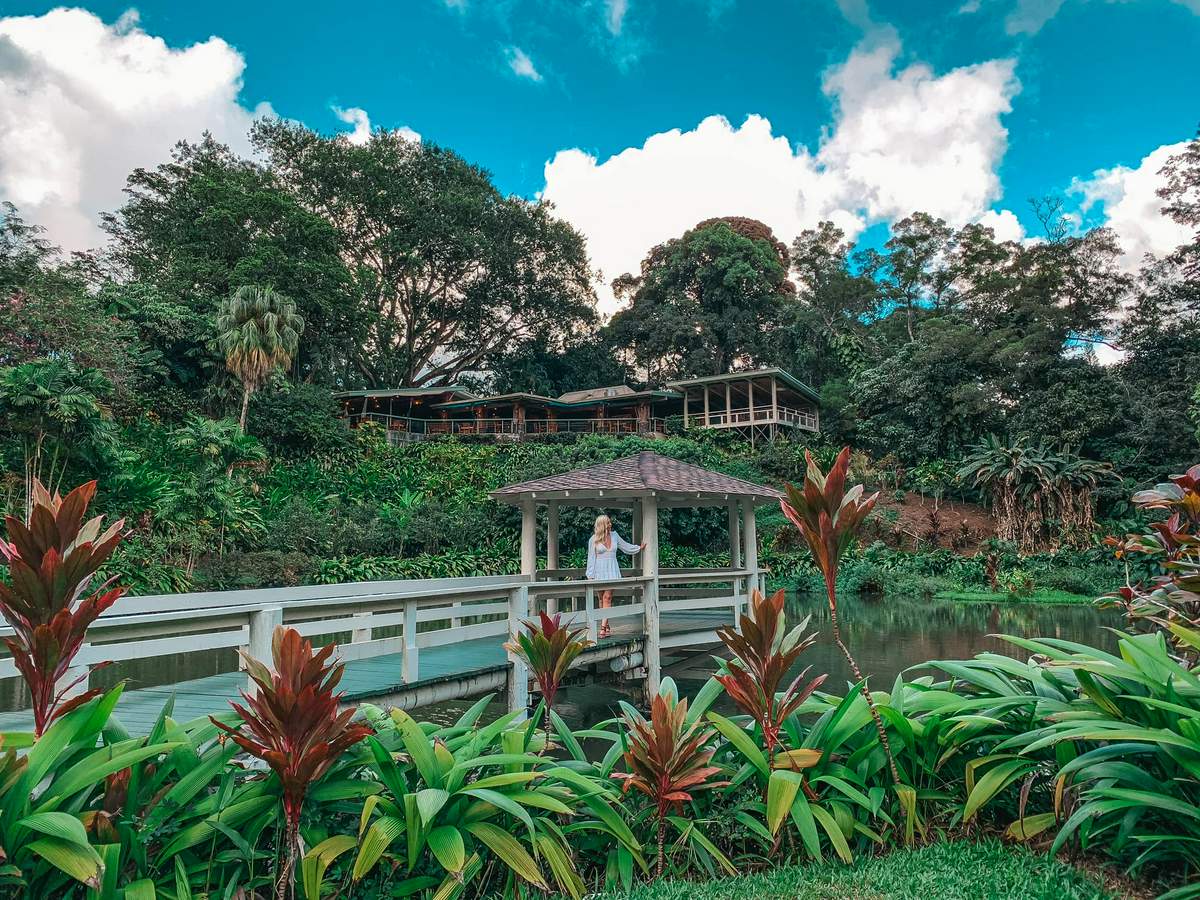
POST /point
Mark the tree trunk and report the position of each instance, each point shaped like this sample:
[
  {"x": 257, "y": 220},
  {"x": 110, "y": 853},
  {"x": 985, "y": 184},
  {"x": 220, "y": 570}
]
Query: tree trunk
[
  {"x": 245, "y": 407},
  {"x": 883, "y": 738}
]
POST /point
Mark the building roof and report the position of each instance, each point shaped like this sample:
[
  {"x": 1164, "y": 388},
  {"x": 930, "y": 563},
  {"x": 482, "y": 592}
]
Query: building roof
[
  {"x": 644, "y": 474},
  {"x": 786, "y": 377},
  {"x": 598, "y": 393},
  {"x": 454, "y": 389}
]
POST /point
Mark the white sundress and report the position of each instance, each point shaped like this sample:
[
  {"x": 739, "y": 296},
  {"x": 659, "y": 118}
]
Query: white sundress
[{"x": 602, "y": 561}]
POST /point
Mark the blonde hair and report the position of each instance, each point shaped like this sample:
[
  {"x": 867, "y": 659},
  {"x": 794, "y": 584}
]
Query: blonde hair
[{"x": 602, "y": 528}]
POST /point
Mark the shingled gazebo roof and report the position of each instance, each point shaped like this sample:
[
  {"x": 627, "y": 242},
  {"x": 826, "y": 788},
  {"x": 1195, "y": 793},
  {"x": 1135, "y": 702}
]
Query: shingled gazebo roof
[{"x": 645, "y": 474}]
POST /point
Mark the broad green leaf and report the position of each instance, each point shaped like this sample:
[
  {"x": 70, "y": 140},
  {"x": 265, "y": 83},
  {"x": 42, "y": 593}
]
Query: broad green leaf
[
  {"x": 80, "y": 862},
  {"x": 509, "y": 851},
  {"x": 447, "y": 845},
  {"x": 61, "y": 825},
  {"x": 781, "y": 795},
  {"x": 318, "y": 860},
  {"x": 380, "y": 836},
  {"x": 742, "y": 741}
]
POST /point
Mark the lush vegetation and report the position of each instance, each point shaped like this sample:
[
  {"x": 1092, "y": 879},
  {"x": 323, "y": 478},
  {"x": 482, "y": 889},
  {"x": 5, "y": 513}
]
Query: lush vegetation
[
  {"x": 1075, "y": 748},
  {"x": 235, "y": 292}
]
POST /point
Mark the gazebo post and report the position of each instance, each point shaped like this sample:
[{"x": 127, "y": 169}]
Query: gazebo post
[
  {"x": 552, "y": 549},
  {"x": 735, "y": 537},
  {"x": 750, "y": 536},
  {"x": 650, "y": 595},
  {"x": 518, "y": 606}
]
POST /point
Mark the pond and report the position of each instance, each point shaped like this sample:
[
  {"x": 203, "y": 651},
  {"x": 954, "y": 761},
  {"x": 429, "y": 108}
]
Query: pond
[{"x": 886, "y": 636}]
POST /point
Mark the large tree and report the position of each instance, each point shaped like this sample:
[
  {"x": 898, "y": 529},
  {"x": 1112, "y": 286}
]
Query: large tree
[
  {"x": 195, "y": 229},
  {"x": 453, "y": 273},
  {"x": 705, "y": 302}
]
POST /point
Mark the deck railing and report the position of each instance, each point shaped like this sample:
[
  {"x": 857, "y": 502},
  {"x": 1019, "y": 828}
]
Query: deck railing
[
  {"x": 407, "y": 428},
  {"x": 371, "y": 619},
  {"x": 759, "y": 415}
]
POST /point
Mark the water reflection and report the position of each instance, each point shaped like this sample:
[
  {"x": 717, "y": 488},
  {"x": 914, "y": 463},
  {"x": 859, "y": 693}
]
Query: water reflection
[{"x": 886, "y": 636}]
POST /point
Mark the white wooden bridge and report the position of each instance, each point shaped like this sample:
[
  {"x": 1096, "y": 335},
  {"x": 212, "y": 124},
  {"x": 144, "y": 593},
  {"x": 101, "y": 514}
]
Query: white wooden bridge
[{"x": 414, "y": 642}]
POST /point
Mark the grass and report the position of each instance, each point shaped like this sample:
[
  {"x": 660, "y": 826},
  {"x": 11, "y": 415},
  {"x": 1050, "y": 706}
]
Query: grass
[
  {"x": 1042, "y": 595},
  {"x": 985, "y": 870}
]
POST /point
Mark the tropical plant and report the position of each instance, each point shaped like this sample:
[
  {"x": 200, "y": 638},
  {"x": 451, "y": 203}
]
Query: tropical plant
[
  {"x": 50, "y": 602},
  {"x": 470, "y": 803},
  {"x": 1170, "y": 600},
  {"x": 549, "y": 648},
  {"x": 258, "y": 331},
  {"x": 764, "y": 652},
  {"x": 829, "y": 517},
  {"x": 1040, "y": 496},
  {"x": 293, "y": 724},
  {"x": 60, "y": 409},
  {"x": 668, "y": 759}
]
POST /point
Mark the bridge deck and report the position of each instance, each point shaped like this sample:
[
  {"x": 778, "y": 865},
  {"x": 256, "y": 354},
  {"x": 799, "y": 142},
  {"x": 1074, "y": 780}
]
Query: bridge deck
[{"x": 376, "y": 676}]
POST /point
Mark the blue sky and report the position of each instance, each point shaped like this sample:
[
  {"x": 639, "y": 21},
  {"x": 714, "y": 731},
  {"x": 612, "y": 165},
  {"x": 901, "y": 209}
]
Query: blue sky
[{"x": 977, "y": 105}]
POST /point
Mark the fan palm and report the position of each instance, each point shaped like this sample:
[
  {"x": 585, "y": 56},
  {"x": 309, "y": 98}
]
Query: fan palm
[{"x": 258, "y": 331}]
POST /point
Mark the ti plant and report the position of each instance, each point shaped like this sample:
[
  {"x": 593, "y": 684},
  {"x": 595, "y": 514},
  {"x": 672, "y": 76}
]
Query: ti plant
[
  {"x": 549, "y": 648},
  {"x": 50, "y": 602},
  {"x": 763, "y": 653},
  {"x": 829, "y": 517},
  {"x": 293, "y": 724},
  {"x": 1171, "y": 600},
  {"x": 669, "y": 759}
]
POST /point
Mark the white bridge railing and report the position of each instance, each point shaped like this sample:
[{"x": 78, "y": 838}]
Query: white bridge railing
[{"x": 371, "y": 619}]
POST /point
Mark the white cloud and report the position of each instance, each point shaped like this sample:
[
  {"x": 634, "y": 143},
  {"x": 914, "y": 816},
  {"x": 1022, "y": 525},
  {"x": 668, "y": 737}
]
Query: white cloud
[
  {"x": 899, "y": 142},
  {"x": 1004, "y": 224},
  {"x": 614, "y": 16},
  {"x": 521, "y": 65},
  {"x": 83, "y": 103},
  {"x": 1132, "y": 208},
  {"x": 358, "y": 117},
  {"x": 1030, "y": 16}
]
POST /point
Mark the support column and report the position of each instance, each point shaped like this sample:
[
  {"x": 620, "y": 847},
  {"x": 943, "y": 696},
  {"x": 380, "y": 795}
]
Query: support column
[
  {"x": 409, "y": 659},
  {"x": 528, "y": 537},
  {"x": 750, "y": 541},
  {"x": 552, "y": 535},
  {"x": 707, "y": 422},
  {"x": 262, "y": 630},
  {"x": 635, "y": 533},
  {"x": 518, "y": 672},
  {"x": 651, "y": 624},
  {"x": 686, "y": 395},
  {"x": 552, "y": 550},
  {"x": 735, "y": 537},
  {"x": 728, "y": 404}
]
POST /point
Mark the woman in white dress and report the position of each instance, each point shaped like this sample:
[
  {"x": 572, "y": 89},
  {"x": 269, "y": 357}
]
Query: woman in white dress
[{"x": 602, "y": 560}]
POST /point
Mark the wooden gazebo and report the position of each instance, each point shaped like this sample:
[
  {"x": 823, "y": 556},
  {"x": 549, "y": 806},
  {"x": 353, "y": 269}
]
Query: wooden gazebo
[{"x": 645, "y": 482}]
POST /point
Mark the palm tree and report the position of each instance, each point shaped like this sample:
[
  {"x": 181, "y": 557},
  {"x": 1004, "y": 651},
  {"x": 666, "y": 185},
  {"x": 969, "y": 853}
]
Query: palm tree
[{"x": 258, "y": 330}]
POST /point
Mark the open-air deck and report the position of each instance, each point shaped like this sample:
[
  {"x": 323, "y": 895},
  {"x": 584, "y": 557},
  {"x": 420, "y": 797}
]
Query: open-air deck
[{"x": 760, "y": 404}]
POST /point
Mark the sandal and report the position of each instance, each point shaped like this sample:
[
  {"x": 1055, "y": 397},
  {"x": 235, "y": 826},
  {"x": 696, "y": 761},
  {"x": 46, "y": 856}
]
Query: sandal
[{"x": 605, "y": 630}]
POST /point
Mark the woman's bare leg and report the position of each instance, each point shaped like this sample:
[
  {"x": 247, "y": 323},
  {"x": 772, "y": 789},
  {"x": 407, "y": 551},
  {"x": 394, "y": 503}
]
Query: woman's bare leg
[{"x": 605, "y": 603}]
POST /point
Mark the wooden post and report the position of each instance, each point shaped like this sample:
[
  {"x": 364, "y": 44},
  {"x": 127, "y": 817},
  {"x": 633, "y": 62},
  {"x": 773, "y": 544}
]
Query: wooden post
[
  {"x": 728, "y": 404},
  {"x": 707, "y": 422},
  {"x": 362, "y": 632},
  {"x": 589, "y": 607},
  {"x": 735, "y": 537},
  {"x": 518, "y": 672},
  {"x": 750, "y": 539},
  {"x": 750, "y": 397},
  {"x": 409, "y": 659},
  {"x": 262, "y": 630},
  {"x": 635, "y": 531},
  {"x": 552, "y": 550},
  {"x": 528, "y": 536},
  {"x": 774, "y": 405},
  {"x": 686, "y": 394},
  {"x": 651, "y": 625}
]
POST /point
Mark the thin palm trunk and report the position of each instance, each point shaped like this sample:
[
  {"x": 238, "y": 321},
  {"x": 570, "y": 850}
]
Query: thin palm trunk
[
  {"x": 858, "y": 677},
  {"x": 245, "y": 408}
]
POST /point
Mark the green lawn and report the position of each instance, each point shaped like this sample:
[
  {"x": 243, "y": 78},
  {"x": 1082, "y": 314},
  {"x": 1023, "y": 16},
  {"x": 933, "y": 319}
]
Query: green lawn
[
  {"x": 947, "y": 871},
  {"x": 1038, "y": 596}
]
